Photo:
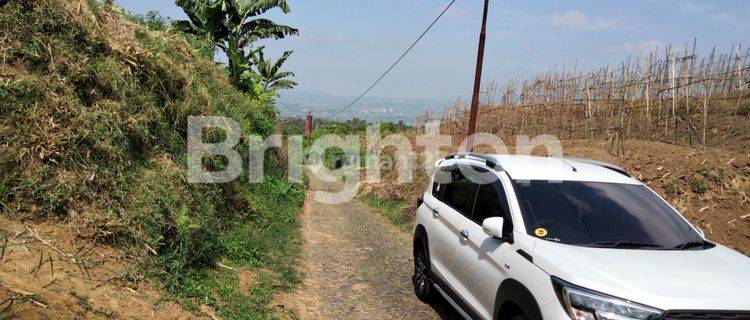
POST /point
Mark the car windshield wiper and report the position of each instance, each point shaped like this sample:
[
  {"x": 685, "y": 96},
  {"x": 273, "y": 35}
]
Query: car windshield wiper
[
  {"x": 624, "y": 244},
  {"x": 690, "y": 245}
]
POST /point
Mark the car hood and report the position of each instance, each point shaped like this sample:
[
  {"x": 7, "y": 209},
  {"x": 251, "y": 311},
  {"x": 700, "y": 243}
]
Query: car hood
[{"x": 713, "y": 279}]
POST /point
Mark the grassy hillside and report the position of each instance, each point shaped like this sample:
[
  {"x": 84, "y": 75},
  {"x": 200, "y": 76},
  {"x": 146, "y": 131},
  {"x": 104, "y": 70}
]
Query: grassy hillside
[{"x": 93, "y": 121}]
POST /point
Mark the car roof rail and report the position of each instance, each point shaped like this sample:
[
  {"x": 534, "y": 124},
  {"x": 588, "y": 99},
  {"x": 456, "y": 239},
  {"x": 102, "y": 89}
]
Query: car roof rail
[
  {"x": 490, "y": 161},
  {"x": 606, "y": 165}
]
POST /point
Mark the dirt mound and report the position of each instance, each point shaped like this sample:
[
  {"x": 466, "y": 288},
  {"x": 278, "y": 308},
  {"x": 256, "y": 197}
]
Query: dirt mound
[
  {"x": 93, "y": 120},
  {"x": 46, "y": 272}
]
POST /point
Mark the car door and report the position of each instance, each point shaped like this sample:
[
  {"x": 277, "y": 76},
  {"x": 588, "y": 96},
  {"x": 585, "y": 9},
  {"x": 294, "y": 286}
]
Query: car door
[
  {"x": 449, "y": 215},
  {"x": 442, "y": 244},
  {"x": 479, "y": 257}
]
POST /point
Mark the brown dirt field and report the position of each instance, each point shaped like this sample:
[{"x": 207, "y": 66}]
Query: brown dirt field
[{"x": 63, "y": 290}]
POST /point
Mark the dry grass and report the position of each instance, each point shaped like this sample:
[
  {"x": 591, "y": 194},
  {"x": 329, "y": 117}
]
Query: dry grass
[{"x": 93, "y": 135}]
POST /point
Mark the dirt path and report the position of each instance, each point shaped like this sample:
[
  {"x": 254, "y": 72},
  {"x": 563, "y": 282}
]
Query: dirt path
[{"x": 357, "y": 265}]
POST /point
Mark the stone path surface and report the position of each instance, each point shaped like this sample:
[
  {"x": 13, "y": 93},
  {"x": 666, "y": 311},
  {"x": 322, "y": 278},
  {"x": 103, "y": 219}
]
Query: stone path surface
[{"x": 356, "y": 265}]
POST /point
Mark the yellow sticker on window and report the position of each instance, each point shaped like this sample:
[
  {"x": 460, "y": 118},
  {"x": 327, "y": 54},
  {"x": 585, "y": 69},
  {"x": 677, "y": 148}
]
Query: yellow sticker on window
[{"x": 541, "y": 232}]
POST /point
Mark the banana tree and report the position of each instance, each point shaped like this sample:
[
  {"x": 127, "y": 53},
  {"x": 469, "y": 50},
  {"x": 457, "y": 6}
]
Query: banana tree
[
  {"x": 233, "y": 25},
  {"x": 269, "y": 74}
]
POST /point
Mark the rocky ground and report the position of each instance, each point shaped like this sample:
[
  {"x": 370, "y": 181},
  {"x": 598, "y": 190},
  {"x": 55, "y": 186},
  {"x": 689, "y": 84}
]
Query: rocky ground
[{"x": 357, "y": 265}]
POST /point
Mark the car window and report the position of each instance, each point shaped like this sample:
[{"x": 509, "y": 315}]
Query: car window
[
  {"x": 459, "y": 193},
  {"x": 585, "y": 213},
  {"x": 437, "y": 190},
  {"x": 492, "y": 202},
  {"x": 442, "y": 176}
]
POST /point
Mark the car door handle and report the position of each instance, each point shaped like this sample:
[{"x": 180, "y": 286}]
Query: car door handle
[
  {"x": 435, "y": 211},
  {"x": 464, "y": 233}
]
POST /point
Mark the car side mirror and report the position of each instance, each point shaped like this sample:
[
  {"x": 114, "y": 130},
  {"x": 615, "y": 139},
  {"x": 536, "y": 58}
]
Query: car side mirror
[{"x": 493, "y": 227}]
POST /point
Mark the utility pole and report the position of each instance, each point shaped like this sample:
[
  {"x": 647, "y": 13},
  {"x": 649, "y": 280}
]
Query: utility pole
[
  {"x": 477, "y": 82},
  {"x": 308, "y": 125}
]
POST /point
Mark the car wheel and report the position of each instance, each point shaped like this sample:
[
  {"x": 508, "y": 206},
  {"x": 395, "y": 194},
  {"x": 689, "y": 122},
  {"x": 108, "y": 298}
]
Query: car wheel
[
  {"x": 421, "y": 278},
  {"x": 518, "y": 317}
]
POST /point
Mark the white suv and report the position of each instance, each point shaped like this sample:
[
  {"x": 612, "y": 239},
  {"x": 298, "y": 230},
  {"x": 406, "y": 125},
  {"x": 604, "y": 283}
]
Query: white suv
[{"x": 516, "y": 237}]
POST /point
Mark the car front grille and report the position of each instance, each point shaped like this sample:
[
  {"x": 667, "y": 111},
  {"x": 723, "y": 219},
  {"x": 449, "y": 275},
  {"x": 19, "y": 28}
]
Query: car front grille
[{"x": 707, "y": 315}]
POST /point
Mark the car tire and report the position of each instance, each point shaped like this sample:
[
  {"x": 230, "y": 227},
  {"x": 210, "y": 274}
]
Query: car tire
[
  {"x": 518, "y": 317},
  {"x": 421, "y": 280}
]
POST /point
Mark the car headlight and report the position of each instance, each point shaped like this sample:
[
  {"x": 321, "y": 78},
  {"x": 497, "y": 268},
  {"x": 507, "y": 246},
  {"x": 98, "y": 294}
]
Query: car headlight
[{"x": 584, "y": 304}]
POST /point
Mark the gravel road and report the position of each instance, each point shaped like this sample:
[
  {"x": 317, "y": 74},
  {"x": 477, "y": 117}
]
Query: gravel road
[{"x": 357, "y": 265}]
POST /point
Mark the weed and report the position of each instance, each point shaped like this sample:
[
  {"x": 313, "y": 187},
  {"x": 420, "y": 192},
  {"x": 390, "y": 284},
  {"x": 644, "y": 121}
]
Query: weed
[
  {"x": 83, "y": 301},
  {"x": 152, "y": 20},
  {"x": 390, "y": 209},
  {"x": 6, "y": 308},
  {"x": 673, "y": 187},
  {"x": 715, "y": 177},
  {"x": 744, "y": 110},
  {"x": 269, "y": 245},
  {"x": 698, "y": 186},
  {"x": 85, "y": 305}
]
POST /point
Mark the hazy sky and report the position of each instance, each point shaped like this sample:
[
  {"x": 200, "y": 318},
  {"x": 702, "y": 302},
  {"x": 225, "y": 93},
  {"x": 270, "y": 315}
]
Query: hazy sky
[{"x": 345, "y": 45}]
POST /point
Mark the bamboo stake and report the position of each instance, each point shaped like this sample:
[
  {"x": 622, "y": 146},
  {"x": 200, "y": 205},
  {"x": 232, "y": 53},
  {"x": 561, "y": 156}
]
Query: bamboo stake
[
  {"x": 674, "y": 98},
  {"x": 739, "y": 76},
  {"x": 647, "y": 80}
]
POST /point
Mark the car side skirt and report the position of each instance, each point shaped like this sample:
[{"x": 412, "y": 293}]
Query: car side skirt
[{"x": 453, "y": 299}]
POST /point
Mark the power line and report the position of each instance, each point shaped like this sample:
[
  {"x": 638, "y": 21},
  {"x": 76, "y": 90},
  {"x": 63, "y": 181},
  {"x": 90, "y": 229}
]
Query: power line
[{"x": 397, "y": 61}]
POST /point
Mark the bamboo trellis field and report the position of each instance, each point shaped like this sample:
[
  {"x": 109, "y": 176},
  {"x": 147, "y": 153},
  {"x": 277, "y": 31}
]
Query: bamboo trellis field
[{"x": 674, "y": 95}]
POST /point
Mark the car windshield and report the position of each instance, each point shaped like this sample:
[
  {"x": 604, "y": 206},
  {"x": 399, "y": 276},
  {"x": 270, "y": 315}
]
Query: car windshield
[{"x": 602, "y": 215}]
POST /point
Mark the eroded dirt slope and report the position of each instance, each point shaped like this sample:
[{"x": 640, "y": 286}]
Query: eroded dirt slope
[{"x": 107, "y": 287}]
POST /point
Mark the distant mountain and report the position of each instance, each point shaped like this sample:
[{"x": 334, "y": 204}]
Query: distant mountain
[{"x": 297, "y": 102}]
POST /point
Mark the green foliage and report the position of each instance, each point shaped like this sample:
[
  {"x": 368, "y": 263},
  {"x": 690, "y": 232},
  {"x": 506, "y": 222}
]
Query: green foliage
[
  {"x": 678, "y": 187},
  {"x": 270, "y": 77},
  {"x": 713, "y": 176},
  {"x": 233, "y": 25},
  {"x": 390, "y": 127},
  {"x": 699, "y": 186},
  {"x": 673, "y": 187},
  {"x": 100, "y": 131},
  {"x": 296, "y": 125},
  {"x": 292, "y": 125},
  {"x": 267, "y": 245},
  {"x": 335, "y": 158},
  {"x": 182, "y": 222},
  {"x": 152, "y": 20},
  {"x": 390, "y": 209}
]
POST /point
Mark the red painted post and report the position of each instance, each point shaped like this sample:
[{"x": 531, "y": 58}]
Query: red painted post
[{"x": 308, "y": 125}]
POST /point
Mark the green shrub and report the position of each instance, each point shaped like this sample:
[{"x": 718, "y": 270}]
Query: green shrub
[
  {"x": 715, "y": 177},
  {"x": 673, "y": 187},
  {"x": 100, "y": 127},
  {"x": 698, "y": 186}
]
